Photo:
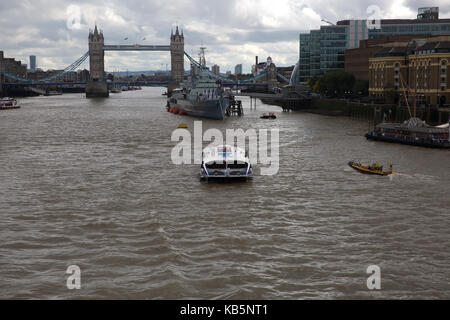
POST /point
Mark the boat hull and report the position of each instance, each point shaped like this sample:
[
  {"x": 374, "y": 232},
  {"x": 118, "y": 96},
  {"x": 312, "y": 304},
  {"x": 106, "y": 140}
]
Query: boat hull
[
  {"x": 411, "y": 142},
  {"x": 8, "y": 104},
  {"x": 369, "y": 171},
  {"x": 268, "y": 117},
  {"x": 223, "y": 176},
  {"x": 9, "y": 107},
  {"x": 210, "y": 109}
]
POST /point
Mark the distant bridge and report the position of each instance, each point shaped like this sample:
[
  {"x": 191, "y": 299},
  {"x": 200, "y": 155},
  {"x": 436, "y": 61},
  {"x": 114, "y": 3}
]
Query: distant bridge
[
  {"x": 110, "y": 84},
  {"x": 136, "y": 47},
  {"x": 98, "y": 86}
]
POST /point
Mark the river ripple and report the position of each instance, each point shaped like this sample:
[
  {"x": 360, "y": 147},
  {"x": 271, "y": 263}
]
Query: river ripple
[{"x": 90, "y": 183}]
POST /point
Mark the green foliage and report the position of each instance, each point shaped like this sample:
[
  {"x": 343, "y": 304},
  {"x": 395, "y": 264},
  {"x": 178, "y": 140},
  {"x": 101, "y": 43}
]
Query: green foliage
[
  {"x": 389, "y": 95},
  {"x": 361, "y": 88},
  {"x": 336, "y": 84},
  {"x": 316, "y": 87},
  {"x": 312, "y": 82}
]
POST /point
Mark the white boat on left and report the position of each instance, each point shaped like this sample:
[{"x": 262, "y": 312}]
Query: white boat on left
[
  {"x": 8, "y": 103},
  {"x": 225, "y": 162}
]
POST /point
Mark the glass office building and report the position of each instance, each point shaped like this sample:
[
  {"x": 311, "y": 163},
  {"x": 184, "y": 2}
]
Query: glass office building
[
  {"x": 304, "y": 71},
  {"x": 314, "y": 53},
  {"x": 401, "y": 27},
  {"x": 323, "y": 50},
  {"x": 33, "y": 63}
]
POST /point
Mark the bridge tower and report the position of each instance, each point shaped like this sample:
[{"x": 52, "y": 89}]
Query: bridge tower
[
  {"x": 96, "y": 86},
  {"x": 1, "y": 73},
  {"x": 177, "y": 59},
  {"x": 272, "y": 82}
]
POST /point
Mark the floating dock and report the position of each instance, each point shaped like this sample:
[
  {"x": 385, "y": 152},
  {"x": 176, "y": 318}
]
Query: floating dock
[
  {"x": 288, "y": 102},
  {"x": 234, "y": 108}
]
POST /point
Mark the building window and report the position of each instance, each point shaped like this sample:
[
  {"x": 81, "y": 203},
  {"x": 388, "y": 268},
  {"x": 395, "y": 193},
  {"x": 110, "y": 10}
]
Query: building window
[
  {"x": 443, "y": 75},
  {"x": 396, "y": 75}
]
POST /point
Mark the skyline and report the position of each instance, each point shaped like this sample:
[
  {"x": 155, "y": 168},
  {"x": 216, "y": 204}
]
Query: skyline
[{"x": 234, "y": 32}]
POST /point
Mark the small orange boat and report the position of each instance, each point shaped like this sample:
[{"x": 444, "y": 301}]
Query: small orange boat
[{"x": 373, "y": 169}]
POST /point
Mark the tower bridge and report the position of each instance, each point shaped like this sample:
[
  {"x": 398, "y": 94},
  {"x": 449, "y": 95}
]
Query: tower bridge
[
  {"x": 136, "y": 47},
  {"x": 97, "y": 86}
]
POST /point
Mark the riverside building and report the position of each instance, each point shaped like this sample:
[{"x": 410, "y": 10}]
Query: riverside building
[
  {"x": 422, "y": 65},
  {"x": 323, "y": 50}
]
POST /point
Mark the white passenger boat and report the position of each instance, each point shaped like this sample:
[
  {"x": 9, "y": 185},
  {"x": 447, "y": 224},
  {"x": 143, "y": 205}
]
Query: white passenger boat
[
  {"x": 225, "y": 162},
  {"x": 8, "y": 103}
]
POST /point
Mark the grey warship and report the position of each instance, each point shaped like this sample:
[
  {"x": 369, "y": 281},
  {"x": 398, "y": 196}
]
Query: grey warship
[{"x": 201, "y": 95}]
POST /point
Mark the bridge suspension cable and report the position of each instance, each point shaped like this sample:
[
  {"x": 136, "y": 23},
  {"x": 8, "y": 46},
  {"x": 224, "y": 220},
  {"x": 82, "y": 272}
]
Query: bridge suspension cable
[
  {"x": 222, "y": 76},
  {"x": 70, "y": 68},
  {"x": 58, "y": 75},
  {"x": 283, "y": 77}
]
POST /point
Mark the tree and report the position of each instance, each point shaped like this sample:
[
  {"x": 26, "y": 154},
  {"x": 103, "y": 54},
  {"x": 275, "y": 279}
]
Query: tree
[
  {"x": 361, "y": 88},
  {"x": 336, "y": 84},
  {"x": 316, "y": 87},
  {"x": 312, "y": 82},
  {"x": 389, "y": 95}
]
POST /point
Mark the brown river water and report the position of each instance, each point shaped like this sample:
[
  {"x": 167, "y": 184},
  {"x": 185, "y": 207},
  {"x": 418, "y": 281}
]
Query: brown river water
[{"x": 91, "y": 183}]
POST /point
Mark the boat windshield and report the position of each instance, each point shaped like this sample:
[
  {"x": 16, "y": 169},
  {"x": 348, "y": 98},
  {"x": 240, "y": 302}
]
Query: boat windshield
[
  {"x": 238, "y": 165},
  {"x": 216, "y": 165},
  {"x": 222, "y": 165}
]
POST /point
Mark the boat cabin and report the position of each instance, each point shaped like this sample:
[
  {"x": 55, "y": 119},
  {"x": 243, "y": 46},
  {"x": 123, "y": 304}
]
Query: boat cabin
[{"x": 225, "y": 162}]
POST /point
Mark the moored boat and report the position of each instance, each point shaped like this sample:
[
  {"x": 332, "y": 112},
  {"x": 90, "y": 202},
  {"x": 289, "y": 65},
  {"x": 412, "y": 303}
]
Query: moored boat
[
  {"x": 371, "y": 169},
  {"x": 49, "y": 93},
  {"x": 412, "y": 132},
  {"x": 8, "y": 103},
  {"x": 270, "y": 115},
  {"x": 225, "y": 162},
  {"x": 201, "y": 96}
]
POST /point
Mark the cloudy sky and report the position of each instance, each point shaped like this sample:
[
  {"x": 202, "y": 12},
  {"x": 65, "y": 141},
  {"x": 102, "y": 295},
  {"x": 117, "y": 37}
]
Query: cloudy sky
[{"x": 234, "y": 31}]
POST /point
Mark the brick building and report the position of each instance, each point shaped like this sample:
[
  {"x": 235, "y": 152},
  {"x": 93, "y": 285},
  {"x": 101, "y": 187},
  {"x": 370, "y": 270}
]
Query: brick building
[
  {"x": 286, "y": 71},
  {"x": 422, "y": 65},
  {"x": 10, "y": 65},
  {"x": 357, "y": 59}
]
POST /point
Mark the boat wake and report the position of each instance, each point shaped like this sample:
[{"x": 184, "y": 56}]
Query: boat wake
[{"x": 416, "y": 176}]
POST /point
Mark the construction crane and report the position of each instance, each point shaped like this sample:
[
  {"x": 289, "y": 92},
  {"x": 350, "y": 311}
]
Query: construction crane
[
  {"x": 330, "y": 23},
  {"x": 407, "y": 89}
]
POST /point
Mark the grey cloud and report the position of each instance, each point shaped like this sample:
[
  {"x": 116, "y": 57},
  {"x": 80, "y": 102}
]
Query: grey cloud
[
  {"x": 266, "y": 36},
  {"x": 39, "y": 27}
]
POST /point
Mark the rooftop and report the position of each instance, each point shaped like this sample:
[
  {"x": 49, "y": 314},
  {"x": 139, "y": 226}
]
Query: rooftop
[
  {"x": 400, "y": 21},
  {"x": 391, "y": 52},
  {"x": 402, "y": 126},
  {"x": 437, "y": 46}
]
